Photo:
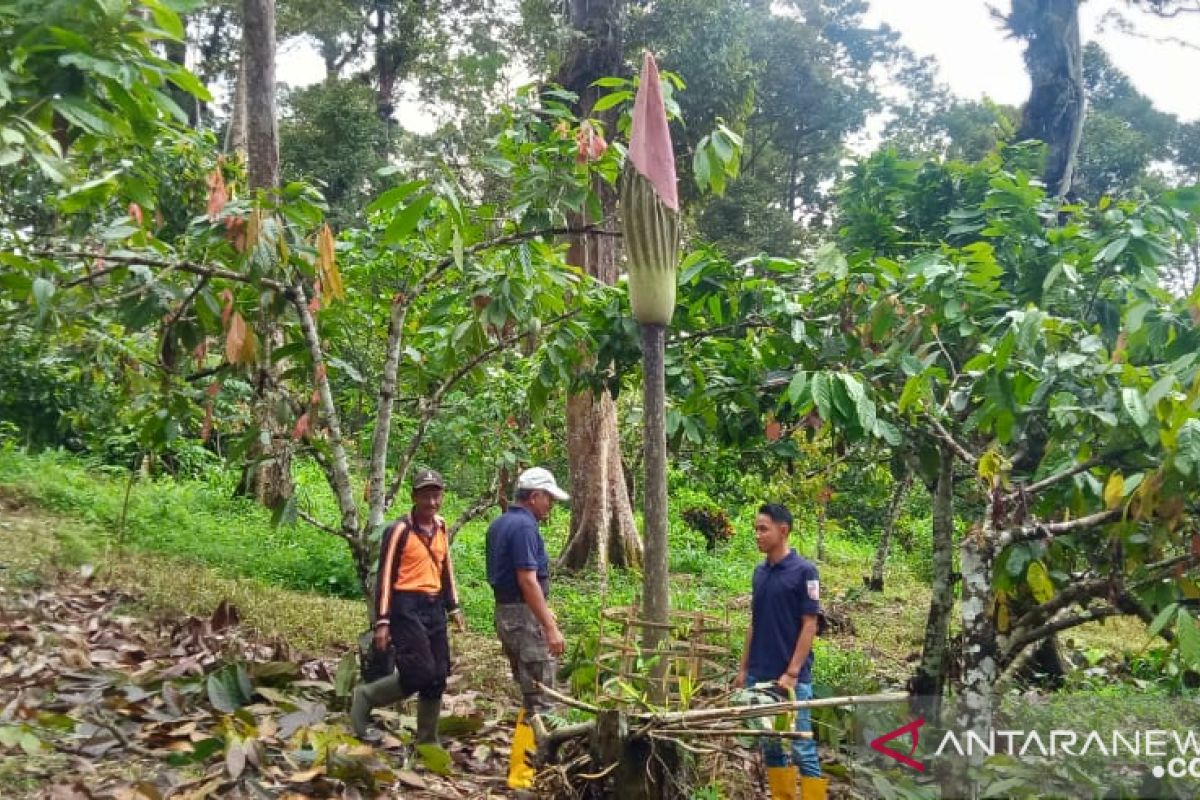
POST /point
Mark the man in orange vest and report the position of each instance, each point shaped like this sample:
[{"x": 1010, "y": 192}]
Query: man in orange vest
[{"x": 414, "y": 592}]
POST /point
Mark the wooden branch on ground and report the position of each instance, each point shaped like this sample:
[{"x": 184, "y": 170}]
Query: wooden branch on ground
[
  {"x": 737, "y": 732},
  {"x": 653, "y": 720},
  {"x": 566, "y": 700}
]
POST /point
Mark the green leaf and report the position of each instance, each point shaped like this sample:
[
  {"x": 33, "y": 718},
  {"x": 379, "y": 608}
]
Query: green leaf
[
  {"x": 392, "y": 197},
  {"x": 610, "y": 82},
  {"x": 1187, "y": 636},
  {"x": 1135, "y": 407},
  {"x": 435, "y": 758},
  {"x": 82, "y": 114},
  {"x": 1113, "y": 249},
  {"x": 1187, "y": 446},
  {"x": 1018, "y": 557},
  {"x": 406, "y": 220},
  {"x": 1039, "y": 582},
  {"x": 1162, "y": 619},
  {"x": 225, "y": 690},
  {"x": 43, "y": 290},
  {"x": 822, "y": 391},
  {"x": 1161, "y": 388},
  {"x": 343, "y": 681},
  {"x": 610, "y": 100},
  {"x": 797, "y": 386}
]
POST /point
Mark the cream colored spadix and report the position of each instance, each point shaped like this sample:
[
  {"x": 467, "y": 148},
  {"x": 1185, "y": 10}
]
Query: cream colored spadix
[{"x": 650, "y": 205}]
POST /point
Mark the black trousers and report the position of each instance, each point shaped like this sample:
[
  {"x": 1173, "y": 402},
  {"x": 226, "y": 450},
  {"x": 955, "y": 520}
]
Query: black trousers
[{"x": 420, "y": 642}]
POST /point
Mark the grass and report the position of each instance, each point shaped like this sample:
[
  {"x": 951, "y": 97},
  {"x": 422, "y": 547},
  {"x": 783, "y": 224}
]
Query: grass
[{"x": 187, "y": 544}]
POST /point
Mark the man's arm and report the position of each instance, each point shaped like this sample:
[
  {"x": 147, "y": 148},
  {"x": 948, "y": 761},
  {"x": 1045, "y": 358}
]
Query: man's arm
[
  {"x": 808, "y": 631},
  {"x": 531, "y": 592},
  {"x": 450, "y": 591},
  {"x": 383, "y": 587}
]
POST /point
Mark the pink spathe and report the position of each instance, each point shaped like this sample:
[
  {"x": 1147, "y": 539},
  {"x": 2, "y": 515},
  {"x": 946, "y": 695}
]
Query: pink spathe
[{"x": 650, "y": 143}]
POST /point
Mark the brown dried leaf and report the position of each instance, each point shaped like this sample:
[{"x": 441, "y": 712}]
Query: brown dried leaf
[
  {"x": 301, "y": 428},
  {"x": 331, "y": 279},
  {"x": 235, "y": 757},
  {"x": 218, "y": 195},
  {"x": 411, "y": 779}
]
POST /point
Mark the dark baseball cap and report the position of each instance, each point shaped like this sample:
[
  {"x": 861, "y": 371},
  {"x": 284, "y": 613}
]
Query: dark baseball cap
[{"x": 427, "y": 477}]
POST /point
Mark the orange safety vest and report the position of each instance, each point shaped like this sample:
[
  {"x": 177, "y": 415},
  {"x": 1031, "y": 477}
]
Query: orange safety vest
[{"x": 423, "y": 565}]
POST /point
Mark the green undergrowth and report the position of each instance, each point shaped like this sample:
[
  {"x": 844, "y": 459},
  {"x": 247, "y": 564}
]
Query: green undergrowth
[{"x": 201, "y": 521}]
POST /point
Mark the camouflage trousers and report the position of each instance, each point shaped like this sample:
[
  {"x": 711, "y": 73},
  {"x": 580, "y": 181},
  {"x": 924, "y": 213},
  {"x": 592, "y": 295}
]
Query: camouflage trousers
[{"x": 524, "y": 645}]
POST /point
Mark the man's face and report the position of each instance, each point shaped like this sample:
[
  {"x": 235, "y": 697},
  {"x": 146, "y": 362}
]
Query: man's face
[
  {"x": 428, "y": 499},
  {"x": 768, "y": 533},
  {"x": 541, "y": 504}
]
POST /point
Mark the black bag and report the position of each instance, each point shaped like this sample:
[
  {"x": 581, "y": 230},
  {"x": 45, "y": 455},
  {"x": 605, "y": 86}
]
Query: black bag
[{"x": 372, "y": 662}]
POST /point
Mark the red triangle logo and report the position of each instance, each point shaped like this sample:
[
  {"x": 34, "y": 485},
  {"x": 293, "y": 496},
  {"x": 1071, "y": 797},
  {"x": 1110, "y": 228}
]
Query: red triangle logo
[{"x": 913, "y": 727}]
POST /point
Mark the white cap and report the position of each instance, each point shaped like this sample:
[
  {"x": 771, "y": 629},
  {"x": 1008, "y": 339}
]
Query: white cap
[{"x": 541, "y": 479}]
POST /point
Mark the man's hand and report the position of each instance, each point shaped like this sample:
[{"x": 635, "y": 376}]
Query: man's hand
[
  {"x": 383, "y": 637},
  {"x": 740, "y": 681},
  {"x": 460, "y": 623},
  {"x": 555, "y": 642},
  {"x": 787, "y": 681}
]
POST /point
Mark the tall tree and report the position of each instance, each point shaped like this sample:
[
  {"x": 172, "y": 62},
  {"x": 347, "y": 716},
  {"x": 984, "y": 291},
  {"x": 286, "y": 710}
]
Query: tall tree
[
  {"x": 268, "y": 475},
  {"x": 603, "y": 529},
  {"x": 1054, "y": 59}
]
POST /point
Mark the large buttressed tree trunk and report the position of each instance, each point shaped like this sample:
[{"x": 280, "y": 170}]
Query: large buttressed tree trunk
[
  {"x": 268, "y": 475},
  {"x": 1054, "y": 59},
  {"x": 602, "y": 524}
]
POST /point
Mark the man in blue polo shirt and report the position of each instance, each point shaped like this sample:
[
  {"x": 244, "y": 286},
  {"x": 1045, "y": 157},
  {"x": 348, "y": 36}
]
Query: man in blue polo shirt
[
  {"x": 518, "y": 570},
  {"x": 785, "y": 611}
]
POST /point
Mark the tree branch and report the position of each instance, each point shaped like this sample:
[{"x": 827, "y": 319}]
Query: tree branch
[
  {"x": 191, "y": 267},
  {"x": 1046, "y": 483},
  {"x": 481, "y": 504},
  {"x": 339, "y": 472},
  {"x": 1037, "y": 634},
  {"x": 435, "y": 402},
  {"x": 1042, "y": 530},
  {"x": 321, "y": 526},
  {"x": 960, "y": 451}
]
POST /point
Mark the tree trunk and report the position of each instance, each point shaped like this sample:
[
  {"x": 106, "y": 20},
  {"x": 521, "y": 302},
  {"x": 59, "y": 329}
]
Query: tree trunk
[
  {"x": 980, "y": 667},
  {"x": 656, "y": 596},
  {"x": 262, "y": 128},
  {"x": 603, "y": 530},
  {"x": 1054, "y": 59},
  {"x": 929, "y": 681},
  {"x": 821, "y": 514},
  {"x": 899, "y": 492},
  {"x": 268, "y": 475},
  {"x": 235, "y": 134}
]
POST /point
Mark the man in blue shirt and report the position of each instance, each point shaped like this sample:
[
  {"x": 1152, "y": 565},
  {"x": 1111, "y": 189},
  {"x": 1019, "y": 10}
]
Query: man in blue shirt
[
  {"x": 518, "y": 570},
  {"x": 785, "y": 611}
]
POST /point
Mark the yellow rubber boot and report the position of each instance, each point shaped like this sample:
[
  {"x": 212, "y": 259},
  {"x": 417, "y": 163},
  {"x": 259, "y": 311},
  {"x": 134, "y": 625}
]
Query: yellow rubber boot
[
  {"x": 813, "y": 788},
  {"x": 520, "y": 773},
  {"x": 782, "y": 782}
]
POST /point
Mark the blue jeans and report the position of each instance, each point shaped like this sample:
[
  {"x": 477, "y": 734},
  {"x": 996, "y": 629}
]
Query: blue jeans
[{"x": 804, "y": 751}]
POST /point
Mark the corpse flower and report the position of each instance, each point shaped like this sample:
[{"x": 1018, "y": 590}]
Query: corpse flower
[{"x": 650, "y": 205}]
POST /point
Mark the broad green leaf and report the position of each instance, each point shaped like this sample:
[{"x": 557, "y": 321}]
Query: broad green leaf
[
  {"x": 225, "y": 690},
  {"x": 610, "y": 82},
  {"x": 1161, "y": 388},
  {"x": 1135, "y": 407},
  {"x": 1113, "y": 249},
  {"x": 611, "y": 99},
  {"x": 797, "y": 386},
  {"x": 343, "y": 681},
  {"x": 822, "y": 392},
  {"x": 1162, "y": 619},
  {"x": 406, "y": 220},
  {"x": 435, "y": 758},
  {"x": 392, "y": 197},
  {"x": 43, "y": 290},
  {"x": 1017, "y": 559},
  {"x": 1039, "y": 582},
  {"x": 1187, "y": 636},
  {"x": 82, "y": 114},
  {"x": 1187, "y": 447}
]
